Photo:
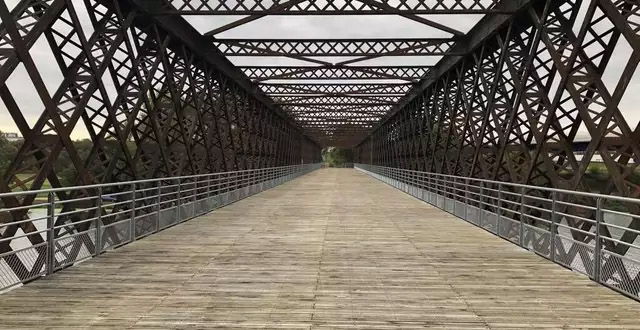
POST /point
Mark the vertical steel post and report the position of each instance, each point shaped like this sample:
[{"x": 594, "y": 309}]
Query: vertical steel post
[
  {"x": 178, "y": 201},
  {"x": 598, "y": 246},
  {"x": 51, "y": 252},
  {"x": 132, "y": 221},
  {"x": 499, "y": 209},
  {"x": 552, "y": 244},
  {"x": 98, "y": 226},
  {"x": 371, "y": 149},
  {"x": 194, "y": 193},
  {"x": 522, "y": 216},
  {"x": 466, "y": 199},
  {"x": 481, "y": 205},
  {"x": 158, "y": 205},
  {"x": 429, "y": 188},
  {"x": 454, "y": 194}
]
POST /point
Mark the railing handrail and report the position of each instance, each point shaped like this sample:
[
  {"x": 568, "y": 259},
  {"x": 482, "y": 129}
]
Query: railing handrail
[
  {"x": 549, "y": 226},
  {"x": 114, "y": 184},
  {"x": 89, "y": 229},
  {"x": 520, "y": 185}
]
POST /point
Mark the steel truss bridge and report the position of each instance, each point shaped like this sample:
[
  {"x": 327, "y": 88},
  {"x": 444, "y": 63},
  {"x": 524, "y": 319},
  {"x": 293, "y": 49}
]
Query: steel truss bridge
[{"x": 165, "y": 109}]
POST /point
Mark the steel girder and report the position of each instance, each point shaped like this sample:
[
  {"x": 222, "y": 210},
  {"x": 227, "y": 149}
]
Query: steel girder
[
  {"x": 512, "y": 109},
  {"x": 332, "y": 7},
  {"x": 336, "y": 99},
  {"x": 335, "y": 47},
  {"x": 407, "y": 73},
  {"x": 332, "y": 89},
  {"x": 150, "y": 105}
]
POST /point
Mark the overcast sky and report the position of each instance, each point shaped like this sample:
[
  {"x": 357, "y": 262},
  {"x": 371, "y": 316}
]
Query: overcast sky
[{"x": 292, "y": 27}]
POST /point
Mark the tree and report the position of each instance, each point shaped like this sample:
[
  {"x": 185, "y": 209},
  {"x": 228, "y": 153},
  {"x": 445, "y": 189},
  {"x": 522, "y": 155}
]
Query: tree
[
  {"x": 335, "y": 157},
  {"x": 8, "y": 150}
]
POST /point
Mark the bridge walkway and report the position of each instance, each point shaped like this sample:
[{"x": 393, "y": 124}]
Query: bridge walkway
[{"x": 332, "y": 249}]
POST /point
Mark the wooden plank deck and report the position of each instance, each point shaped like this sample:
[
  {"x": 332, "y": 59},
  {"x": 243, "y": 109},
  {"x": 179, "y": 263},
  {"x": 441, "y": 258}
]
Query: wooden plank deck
[{"x": 333, "y": 249}]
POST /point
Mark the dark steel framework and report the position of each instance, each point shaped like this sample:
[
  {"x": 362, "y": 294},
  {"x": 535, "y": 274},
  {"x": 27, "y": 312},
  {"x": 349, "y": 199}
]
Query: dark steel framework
[
  {"x": 338, "y": 103},
  {"x": 511, "y": 110},
  {"x": 152, "y": 104},
  {"x": 505, "y": 100}
]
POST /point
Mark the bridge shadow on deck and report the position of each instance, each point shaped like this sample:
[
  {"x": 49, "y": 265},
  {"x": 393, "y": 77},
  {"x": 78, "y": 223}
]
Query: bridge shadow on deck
[{"x": 332, "y": 249}]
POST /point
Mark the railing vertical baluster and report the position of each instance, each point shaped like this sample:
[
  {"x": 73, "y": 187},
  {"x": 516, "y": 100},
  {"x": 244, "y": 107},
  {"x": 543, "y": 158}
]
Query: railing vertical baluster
[
  {"x": 98, "y": 237},
  {"x": 499, "y": 209},
  {"x": 158, "y": 205},
  {"x": 178, "y": 199},
  {"x": 194, "y": 193},
  {"x": 466, "y": 198},
  {"x": 454, "y": 194},
  {"x": 481, "y": 205},
  {"x": 51, "y": 245},
  {"x": 598, "y": 244},
  {"x": 423, "y": 184},
  {"x": 522, "y": 205},
  {"x": 552, "y": 243},
  {"x": 132, "y": 220},
  {"x": 429, "y": 188}
]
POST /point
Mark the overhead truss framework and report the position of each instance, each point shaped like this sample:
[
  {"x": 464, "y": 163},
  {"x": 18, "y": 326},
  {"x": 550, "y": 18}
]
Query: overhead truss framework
[
  {"x": 348, "y": 81},
  {"x": 333, "y": 72},
  {"x": 335, "y": 47},
  {"x": 329, "y": 7}
]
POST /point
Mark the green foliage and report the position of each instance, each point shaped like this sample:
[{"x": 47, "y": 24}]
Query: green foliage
[
  {"x": 615, "y": 205},
  {"x": 335, "y": 157},
  {"x": 8, "y": 150},
  {"x": 64, "y": 168}
]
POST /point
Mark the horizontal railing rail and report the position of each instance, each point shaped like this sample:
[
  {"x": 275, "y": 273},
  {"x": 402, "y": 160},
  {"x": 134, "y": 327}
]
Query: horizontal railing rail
[
  {"x": 65, "y": 226},
  {"x": 594, "y": 234}
]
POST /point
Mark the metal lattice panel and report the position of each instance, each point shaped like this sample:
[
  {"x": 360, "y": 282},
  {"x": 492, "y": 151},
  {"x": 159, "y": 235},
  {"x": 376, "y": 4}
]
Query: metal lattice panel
[
  {"x": 332, "y": 88},
  {"x": 343, "y": 100},
  {"x": 331, "y": 7},
  {"x": 407, "y": 73},
  {"x": 334, "y": 47}
]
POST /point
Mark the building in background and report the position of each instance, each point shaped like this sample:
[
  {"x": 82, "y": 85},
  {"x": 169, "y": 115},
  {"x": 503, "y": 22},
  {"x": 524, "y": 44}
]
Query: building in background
[{"x": 11, "y": 136}]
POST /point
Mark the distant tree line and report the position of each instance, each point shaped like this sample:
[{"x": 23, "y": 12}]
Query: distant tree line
[
  {"x": 63, "y": 166},
  {"x": 336, "y": 157},
  {"x": 8, "y": 150}
]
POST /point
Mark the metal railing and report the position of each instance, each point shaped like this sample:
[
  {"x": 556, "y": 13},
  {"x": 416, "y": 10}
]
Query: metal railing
[
  {"x": 590, "y": 233},
  {"x": 44, "y": 231}
]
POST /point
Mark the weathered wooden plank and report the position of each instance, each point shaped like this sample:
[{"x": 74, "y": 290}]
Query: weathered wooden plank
[{"x": 333, "y": 249}]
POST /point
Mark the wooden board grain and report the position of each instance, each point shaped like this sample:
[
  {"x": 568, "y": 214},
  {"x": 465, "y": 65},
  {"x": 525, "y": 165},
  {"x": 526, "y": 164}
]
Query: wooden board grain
[{"x": 331, "y": 250}]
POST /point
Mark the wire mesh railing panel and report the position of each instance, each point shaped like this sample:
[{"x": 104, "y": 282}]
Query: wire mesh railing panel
[
  {"x": 74, "y": 248},
  {"x": 620, "y": 273},
  {"x": 62, "y": 227},
  {"x": 596, "y": 235}
]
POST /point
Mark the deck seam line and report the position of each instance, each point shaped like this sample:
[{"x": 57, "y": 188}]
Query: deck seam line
[
  {"x": 429, "y": 261},
  {"x": 197, "y": 272}
]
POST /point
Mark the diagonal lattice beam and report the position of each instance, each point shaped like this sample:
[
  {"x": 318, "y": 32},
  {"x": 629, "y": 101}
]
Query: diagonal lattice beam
[
  {"x": 335, "y": 47},
  {"x": 341, "y": 7},
  {"x": 408, "y": 73}
]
